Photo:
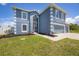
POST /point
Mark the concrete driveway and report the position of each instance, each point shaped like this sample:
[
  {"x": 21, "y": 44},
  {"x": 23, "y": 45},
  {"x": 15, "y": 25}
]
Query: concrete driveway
[
  {"x": 61, "y": 36},
  {"x": 66, "y": 35}
]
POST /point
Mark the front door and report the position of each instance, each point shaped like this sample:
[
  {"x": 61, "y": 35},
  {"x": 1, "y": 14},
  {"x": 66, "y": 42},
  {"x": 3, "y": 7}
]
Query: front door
[{"x": 35, "y": 23}]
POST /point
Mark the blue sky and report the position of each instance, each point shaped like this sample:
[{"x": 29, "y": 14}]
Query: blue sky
[{"x": 6, "y": 11}]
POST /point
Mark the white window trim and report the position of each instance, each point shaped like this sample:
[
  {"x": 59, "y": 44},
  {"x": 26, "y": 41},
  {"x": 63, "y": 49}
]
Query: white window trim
[
  {"x": 57, "y": 24},
  {"x": 22, "y": 28}
]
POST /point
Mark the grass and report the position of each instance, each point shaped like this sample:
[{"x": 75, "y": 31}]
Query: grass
[
  {"x": 37, "y": 46},
  {"x": 74, "y": 31}
]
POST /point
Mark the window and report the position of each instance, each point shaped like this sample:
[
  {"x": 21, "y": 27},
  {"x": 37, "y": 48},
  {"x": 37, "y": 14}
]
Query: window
[
  {"x": 24, "y": 15},
  {"x": 18, "y": 13},
  {"x": 24, "y": 27},
  {"x": 54, "y": 12},
  {"x": 57, "y": 13},
  {"x": 63, "y": 16}
]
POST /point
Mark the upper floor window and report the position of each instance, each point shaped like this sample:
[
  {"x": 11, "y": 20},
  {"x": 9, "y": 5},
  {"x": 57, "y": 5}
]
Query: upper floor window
[
  {"x": 21, "y": 14},
  {"x": 63, "y": 16},
  {"x": 24, "y": 14},
  {"x": 57, "y": 13},
  {"x": 53, "y": 11},
  {"x": 18, "y": 13}
]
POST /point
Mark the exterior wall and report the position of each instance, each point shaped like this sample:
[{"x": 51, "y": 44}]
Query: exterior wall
[
  {"x": 51, "y": 20},
  {"x": 19, "y": 26},
  {"x": 44, "y": 22},
  {"x": 57, "y": 21},
  {"x": 19, "y": 21}
]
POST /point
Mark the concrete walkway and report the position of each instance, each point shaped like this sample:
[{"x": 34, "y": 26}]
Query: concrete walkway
[{"x": 61, "y": 36}]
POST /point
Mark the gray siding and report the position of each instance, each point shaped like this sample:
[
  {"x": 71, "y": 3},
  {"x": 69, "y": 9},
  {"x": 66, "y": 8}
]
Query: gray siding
[
  {"x": 57, "y": 21},
  {"x": 19, "y": 26},
  {"x": 44, "y": 22},
  {"x": 50, "y": 21},
  {"x": 19, "y": 21},
  {"x": 57, "y": 17}
]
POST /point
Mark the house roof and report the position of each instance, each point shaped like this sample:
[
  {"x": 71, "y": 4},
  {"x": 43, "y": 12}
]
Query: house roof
[
  {"x": 50, "y": 5},
  {"x": 55, "y": 6},
  {"x": 15, "y": 8}
]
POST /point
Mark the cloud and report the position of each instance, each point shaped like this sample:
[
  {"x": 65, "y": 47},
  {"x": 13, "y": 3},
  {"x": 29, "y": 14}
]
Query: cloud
[
  {"x": 70, "y": 20},
  {"x": 77, "y": 17},
  {"x": 74, "y": 20},
  {"x": 3, "y": 4},
  {"x": 8, "y": 23}
]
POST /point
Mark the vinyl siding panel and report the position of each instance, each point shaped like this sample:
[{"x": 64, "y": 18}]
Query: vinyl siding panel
[
  {"x": 57, "y": 25},
  {"x": 44, "y": 22},
  {"x": 19, "y": 27},
  {"x": 57, "y": 16},
  {"x": 19, "y": 21}
]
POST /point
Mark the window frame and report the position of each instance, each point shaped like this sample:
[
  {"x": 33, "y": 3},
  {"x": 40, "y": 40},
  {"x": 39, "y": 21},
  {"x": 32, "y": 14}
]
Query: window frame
[
  {"x": 22, "y": 15},
  {"x": 17, "y": 13},
  {"x": 57, "y": 13},
  {"x": 22, "y": 28}
]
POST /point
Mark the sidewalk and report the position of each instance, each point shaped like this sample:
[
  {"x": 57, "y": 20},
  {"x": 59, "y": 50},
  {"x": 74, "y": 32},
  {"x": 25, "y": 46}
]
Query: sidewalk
[{"x": 61, "y": 36}]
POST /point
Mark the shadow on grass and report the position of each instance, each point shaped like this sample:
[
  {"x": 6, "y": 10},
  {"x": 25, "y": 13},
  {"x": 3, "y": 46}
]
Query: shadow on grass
[
  {"x": 13, "y": 35},
  {"x": 53, "y": 35}
]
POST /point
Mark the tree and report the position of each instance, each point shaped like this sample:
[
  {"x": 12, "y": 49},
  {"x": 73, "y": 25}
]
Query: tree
[{"x": 74, "y": 27}]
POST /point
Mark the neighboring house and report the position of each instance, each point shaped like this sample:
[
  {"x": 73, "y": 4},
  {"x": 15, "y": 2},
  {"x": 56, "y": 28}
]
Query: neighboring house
[
  {"x": 6, "y": 29},
  {"x": 50, "y": 20}
]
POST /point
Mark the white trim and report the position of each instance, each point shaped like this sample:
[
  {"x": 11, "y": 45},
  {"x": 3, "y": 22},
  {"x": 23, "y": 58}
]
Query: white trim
[
  {"x": 68, "y": 28},
  {"x": 52, "y": 27},
  {"x": 64, "y": 29},
  {"x": 51, "y": 19},
  {"x": 51, "y": 16},
  {"x": 38, "y": 24},
  {"x": 22, "y": 28},
  {"x": 56, "y": 24},
  {"x": 37, "y": 20},
  {"x": 15, "y": 29},
  {"x": 31, "y": 23},
  {"x": 14, "y": 19}
]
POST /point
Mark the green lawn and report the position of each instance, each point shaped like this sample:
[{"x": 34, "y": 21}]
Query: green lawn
[
  {"x": 37, "y": 46},
  {"x": 74, "y": 31}
]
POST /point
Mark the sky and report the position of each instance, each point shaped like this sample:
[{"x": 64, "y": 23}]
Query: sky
[{"x": 6, "y": 12}]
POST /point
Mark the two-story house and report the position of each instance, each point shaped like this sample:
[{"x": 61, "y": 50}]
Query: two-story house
[{"x": 50, "y": 20}]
